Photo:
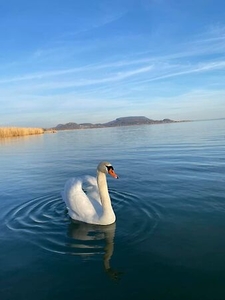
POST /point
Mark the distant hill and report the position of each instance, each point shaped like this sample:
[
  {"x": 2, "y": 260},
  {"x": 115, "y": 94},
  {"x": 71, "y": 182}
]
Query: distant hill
[
  {"x": 67, "y": 126},
  {"x": 123, "y": 121},
  {"x": 136, "y": 120}
]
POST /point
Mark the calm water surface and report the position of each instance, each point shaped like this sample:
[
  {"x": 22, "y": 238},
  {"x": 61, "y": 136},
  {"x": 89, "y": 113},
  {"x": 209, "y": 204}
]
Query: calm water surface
[{"x": 169, "y": 238}]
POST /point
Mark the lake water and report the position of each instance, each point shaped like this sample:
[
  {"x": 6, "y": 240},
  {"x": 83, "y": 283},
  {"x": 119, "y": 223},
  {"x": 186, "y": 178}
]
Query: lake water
[{"x": 169, "y": 238}]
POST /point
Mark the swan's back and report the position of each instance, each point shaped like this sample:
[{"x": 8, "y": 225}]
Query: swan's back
[{"x": 82, "y": 199}]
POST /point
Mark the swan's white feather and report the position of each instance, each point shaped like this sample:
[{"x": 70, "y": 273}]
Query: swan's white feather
[{"x": 82, "y": 199}]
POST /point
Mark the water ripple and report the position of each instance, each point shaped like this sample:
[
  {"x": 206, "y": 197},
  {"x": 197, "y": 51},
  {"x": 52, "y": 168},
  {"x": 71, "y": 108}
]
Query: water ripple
[
  {"x": 137, "y": 218},
  {"x": 45, "y": 222}
]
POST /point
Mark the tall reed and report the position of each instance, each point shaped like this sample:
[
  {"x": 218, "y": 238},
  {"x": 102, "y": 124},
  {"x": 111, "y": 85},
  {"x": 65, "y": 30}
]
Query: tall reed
[{"x": 18, "y": 131}]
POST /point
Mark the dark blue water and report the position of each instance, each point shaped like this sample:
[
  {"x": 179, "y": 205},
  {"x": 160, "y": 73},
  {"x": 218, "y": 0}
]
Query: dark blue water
[{"x": 169, "y": 238}]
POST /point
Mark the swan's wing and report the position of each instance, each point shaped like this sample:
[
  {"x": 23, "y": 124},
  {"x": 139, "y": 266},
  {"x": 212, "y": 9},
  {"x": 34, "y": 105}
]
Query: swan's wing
[{"x": 81, "y": 206}]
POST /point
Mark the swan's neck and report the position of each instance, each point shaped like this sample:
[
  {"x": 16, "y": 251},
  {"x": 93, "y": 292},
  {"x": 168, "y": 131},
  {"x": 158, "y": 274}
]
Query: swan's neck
[{"x": 108, "y": 212}]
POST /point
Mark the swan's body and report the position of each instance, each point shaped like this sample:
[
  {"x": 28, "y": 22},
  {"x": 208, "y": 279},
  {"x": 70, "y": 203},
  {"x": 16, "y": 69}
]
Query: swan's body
[{"x": 94, "y": 205}]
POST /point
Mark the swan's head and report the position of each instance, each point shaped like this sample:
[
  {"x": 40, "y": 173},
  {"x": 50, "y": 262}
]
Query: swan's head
[{"x": 107, "y": 168}]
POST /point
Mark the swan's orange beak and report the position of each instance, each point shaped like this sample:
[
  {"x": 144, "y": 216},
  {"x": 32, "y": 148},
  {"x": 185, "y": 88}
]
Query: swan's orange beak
[{"x": 113, "y": 174}]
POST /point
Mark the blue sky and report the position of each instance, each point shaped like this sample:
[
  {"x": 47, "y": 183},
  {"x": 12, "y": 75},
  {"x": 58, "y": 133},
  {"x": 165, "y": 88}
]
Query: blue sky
[{"x": 93, "y": 61}]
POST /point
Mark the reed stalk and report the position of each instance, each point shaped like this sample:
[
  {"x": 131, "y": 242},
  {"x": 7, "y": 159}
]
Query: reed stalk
[{"x": 19, "y": 131}]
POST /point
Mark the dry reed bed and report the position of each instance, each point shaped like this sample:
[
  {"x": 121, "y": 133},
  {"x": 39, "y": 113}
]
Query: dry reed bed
[{"x": 19, "y": 131}]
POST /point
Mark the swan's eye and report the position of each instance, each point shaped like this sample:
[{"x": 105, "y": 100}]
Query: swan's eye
[{"x": 109, "y": 168}]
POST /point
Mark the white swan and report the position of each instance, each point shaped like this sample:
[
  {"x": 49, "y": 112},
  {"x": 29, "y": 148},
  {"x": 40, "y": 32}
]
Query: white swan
[{"x": 94, "y": 205}]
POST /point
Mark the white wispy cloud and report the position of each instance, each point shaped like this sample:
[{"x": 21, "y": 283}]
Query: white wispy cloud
[
  {"x": 41, "y": 75},
  {"x": 117, "y": 76}
]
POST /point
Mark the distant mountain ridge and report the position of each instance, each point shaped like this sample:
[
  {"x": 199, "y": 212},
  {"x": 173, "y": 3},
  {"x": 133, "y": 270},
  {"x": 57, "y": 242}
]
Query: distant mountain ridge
[{"x": 123, "y": 121}]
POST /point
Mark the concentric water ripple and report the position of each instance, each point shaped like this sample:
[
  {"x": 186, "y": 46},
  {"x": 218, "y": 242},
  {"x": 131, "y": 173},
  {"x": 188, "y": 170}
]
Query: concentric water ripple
[
  {"x": 137, "y": 218},
  {"x": 45, "y": 222}
]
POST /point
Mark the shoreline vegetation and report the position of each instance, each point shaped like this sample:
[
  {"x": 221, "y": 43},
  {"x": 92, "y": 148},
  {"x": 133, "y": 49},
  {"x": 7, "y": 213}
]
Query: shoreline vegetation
[{"x": 6, "y": 132}]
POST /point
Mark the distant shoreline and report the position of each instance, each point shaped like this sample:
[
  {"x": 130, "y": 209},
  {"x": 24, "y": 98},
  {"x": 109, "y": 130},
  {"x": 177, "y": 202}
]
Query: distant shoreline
[
  {"x": 7, "y": 132},
  {"x": 119, "y": 122}
]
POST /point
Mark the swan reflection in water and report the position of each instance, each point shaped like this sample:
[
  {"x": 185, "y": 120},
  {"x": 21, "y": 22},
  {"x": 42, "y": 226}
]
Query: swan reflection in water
[{"x": 87, "y": 238}]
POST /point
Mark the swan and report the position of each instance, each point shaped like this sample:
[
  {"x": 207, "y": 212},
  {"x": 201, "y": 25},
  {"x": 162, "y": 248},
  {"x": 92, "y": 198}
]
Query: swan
[{"x": 94, "y": 205}]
